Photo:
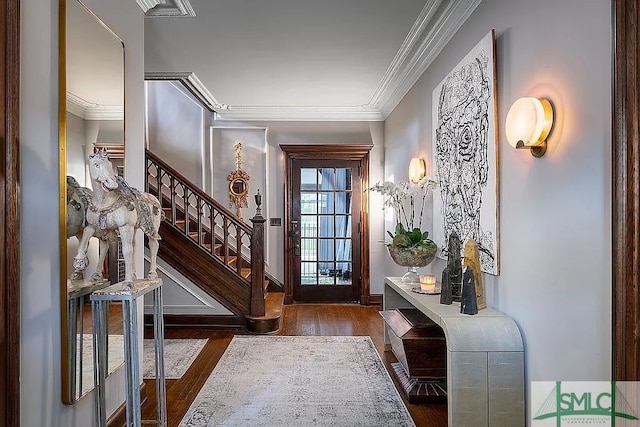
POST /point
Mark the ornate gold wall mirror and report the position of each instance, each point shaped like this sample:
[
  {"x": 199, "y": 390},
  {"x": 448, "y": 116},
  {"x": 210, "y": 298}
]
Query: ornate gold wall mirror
[
  {"x": 238, "y": 183},
  {"x": 238, "y": 187},
  {"x": 91, "y": 114}
]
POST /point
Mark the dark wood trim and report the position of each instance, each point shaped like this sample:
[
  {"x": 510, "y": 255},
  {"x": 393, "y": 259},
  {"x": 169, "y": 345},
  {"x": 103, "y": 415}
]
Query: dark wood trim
[
  {"x": 626, "y": 193},
  {"x": 330, "y": 152},
  {"x": 209, "y": 321},
  {"x": 326, "y": 151},
  {"x": 375, "y": 299},
  {"x": 200, "y": 267},
  {"x": 9, "y": 215}
]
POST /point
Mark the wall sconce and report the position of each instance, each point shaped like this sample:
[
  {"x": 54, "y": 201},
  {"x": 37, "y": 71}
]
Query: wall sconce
[
  {"x": 417, "y": 170},
  {"x": 528, "y": 124}
]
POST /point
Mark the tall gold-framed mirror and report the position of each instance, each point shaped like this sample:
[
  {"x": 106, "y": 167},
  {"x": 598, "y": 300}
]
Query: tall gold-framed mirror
[{"x": 91, "y": 115}]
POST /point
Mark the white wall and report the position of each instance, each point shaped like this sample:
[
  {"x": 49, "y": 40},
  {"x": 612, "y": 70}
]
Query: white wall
[
  {"x": 40, "y": 383},
  {"x": 254, "y": 163},
  {"x": 555, "y": 222},
  {"x": 176, "y": 129},
  {"x": 180, "y": 295}
]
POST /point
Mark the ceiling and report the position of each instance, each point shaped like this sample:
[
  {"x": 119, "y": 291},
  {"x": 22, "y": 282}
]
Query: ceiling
[
  {"x": 94, "y": 66},
  {"x": 298, "y": 59}
]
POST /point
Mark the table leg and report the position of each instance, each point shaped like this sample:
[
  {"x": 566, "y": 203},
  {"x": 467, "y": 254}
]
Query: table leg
[
  {"x": 99, "y": 358},
  {"x": 158, "y": 335},
  {"x": 390, "y": 301},
  {"x": 72, "y": 341},
  {"x": 132, "y": 368}
]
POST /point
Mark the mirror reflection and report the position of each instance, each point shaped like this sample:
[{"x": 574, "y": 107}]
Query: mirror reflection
[
  {"x": 238, "y": 187},
  {"x": 238, "y": 183},
  {"x": 92, "y": 77}
]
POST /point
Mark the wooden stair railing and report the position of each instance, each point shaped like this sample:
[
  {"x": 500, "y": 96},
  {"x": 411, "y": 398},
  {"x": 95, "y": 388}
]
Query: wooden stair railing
[{"x": 238, "y": 248}]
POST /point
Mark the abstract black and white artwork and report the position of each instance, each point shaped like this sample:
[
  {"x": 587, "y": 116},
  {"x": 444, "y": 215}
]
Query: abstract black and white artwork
[{"x": 465, "y": 155}]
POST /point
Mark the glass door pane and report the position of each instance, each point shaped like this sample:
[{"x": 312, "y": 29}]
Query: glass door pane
[{"x": 325, "y": 218}]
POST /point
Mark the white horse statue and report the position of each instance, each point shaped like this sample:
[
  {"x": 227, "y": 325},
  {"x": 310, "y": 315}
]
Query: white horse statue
[
  {"x": 116, "y": 206},
  {"x": 78, "y": 200}
]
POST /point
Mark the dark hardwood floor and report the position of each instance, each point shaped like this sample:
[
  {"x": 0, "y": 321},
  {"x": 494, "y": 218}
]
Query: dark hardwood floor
[{"x": 299, "y": 319}]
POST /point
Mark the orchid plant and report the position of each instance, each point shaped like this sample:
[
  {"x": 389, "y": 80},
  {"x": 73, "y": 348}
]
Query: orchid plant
[{"x": 407, "y": 199}]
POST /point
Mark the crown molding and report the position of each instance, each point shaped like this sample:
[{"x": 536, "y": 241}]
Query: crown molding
[
  {"x": 416, "y": 60},
  {"x": 193, "y": 84},
  {"x": 145, "y": 5},
  {"x": 90, "y": 111},
  {"x": 396, "y": 68},
  {"x": 437, "y": 23},
  {"x": 297, "y": 113},
  {"x": 170, "y": 8}
]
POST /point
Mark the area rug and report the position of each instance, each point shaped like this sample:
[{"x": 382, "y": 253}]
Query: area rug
[
  {"x": 179, "y": 354},
  {"x": 298, "y": 381},
  {"x": 115, "y": 358}
]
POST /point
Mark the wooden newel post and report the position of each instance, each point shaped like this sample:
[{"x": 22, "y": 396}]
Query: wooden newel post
[{"x": 257, "y": 260}]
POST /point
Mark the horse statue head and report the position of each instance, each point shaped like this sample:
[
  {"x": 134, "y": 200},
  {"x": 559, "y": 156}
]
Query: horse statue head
[{"x": 101, "y": 171}]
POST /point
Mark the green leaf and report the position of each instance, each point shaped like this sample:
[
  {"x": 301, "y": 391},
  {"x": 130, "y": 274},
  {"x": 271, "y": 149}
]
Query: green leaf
[{"x": 415, "y": 236}]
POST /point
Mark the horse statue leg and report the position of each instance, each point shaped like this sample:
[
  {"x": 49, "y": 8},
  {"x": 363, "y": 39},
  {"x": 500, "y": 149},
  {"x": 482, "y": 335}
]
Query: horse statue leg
[
  {"x": 102, "y": 251},
  {"x": 81, "y": 261},
  {"x": 153, "y": 252},
  {"x": 153, "y": 241},
  {"x": 127, "y": 234}
]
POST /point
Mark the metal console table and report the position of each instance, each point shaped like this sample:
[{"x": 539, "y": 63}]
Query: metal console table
[
  {"x": 76, "y": 292},
  {"x": 128, "y": 297}
]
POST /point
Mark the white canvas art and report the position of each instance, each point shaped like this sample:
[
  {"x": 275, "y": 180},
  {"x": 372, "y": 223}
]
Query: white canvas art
[{"x": 465, "y": 155}]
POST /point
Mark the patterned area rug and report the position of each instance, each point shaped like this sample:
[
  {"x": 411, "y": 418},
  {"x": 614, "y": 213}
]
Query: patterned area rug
[
  {"x": 115, "y": 358},
  {"x": 298, "y": 381},
  {"x": 179, "y": 354}
]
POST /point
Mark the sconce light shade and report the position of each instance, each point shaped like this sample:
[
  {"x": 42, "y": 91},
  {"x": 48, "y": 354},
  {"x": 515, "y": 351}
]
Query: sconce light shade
[
  {"x": 417, "y": 169},
  {"x": 529, "y": 122}
]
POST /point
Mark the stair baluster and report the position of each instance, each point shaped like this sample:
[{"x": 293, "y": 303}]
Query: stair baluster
[{"x": 214, "y": 228}]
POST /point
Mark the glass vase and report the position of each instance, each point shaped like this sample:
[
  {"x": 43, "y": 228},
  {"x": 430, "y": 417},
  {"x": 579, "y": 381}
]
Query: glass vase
[{"x": 411, "y": 277}]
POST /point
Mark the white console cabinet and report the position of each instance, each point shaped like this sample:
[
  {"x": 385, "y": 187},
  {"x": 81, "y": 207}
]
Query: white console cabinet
[{"x": 485, "y": 359}]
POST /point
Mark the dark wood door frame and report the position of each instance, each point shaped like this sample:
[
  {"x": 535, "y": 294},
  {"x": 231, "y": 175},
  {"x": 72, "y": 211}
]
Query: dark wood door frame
[
  {"x": 9, "y": 219},
  {"x": 331, "y": 152},
  {"x": 327, "y": 292},
  {"x": 626, "y": 192}
]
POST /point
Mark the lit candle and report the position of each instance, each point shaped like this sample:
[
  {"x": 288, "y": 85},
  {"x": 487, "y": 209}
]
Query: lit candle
[{"x": 428, "y": 283}]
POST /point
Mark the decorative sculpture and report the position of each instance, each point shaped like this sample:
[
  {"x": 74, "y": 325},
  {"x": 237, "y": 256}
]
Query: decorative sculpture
[
  {"x": 258, "y": 198},
  {"x": 472, "y": 259},
  {"x": 238, "y": 183},
  {"x": 445, "y": 291},
  {"x": 468, "y": 304},
  {"x": 78, "y": 200},
  {"x": 117, "y": 206},
  {"x": 454, "y": 265}
]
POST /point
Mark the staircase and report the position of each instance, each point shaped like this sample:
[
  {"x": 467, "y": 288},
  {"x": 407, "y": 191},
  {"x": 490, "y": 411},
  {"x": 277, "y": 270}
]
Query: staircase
[{"x": 214, "y": 249}]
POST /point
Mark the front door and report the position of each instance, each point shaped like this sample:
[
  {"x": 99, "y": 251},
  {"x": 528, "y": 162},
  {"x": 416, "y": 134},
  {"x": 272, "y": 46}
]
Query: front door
[{"x": 325, "y": 223}]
